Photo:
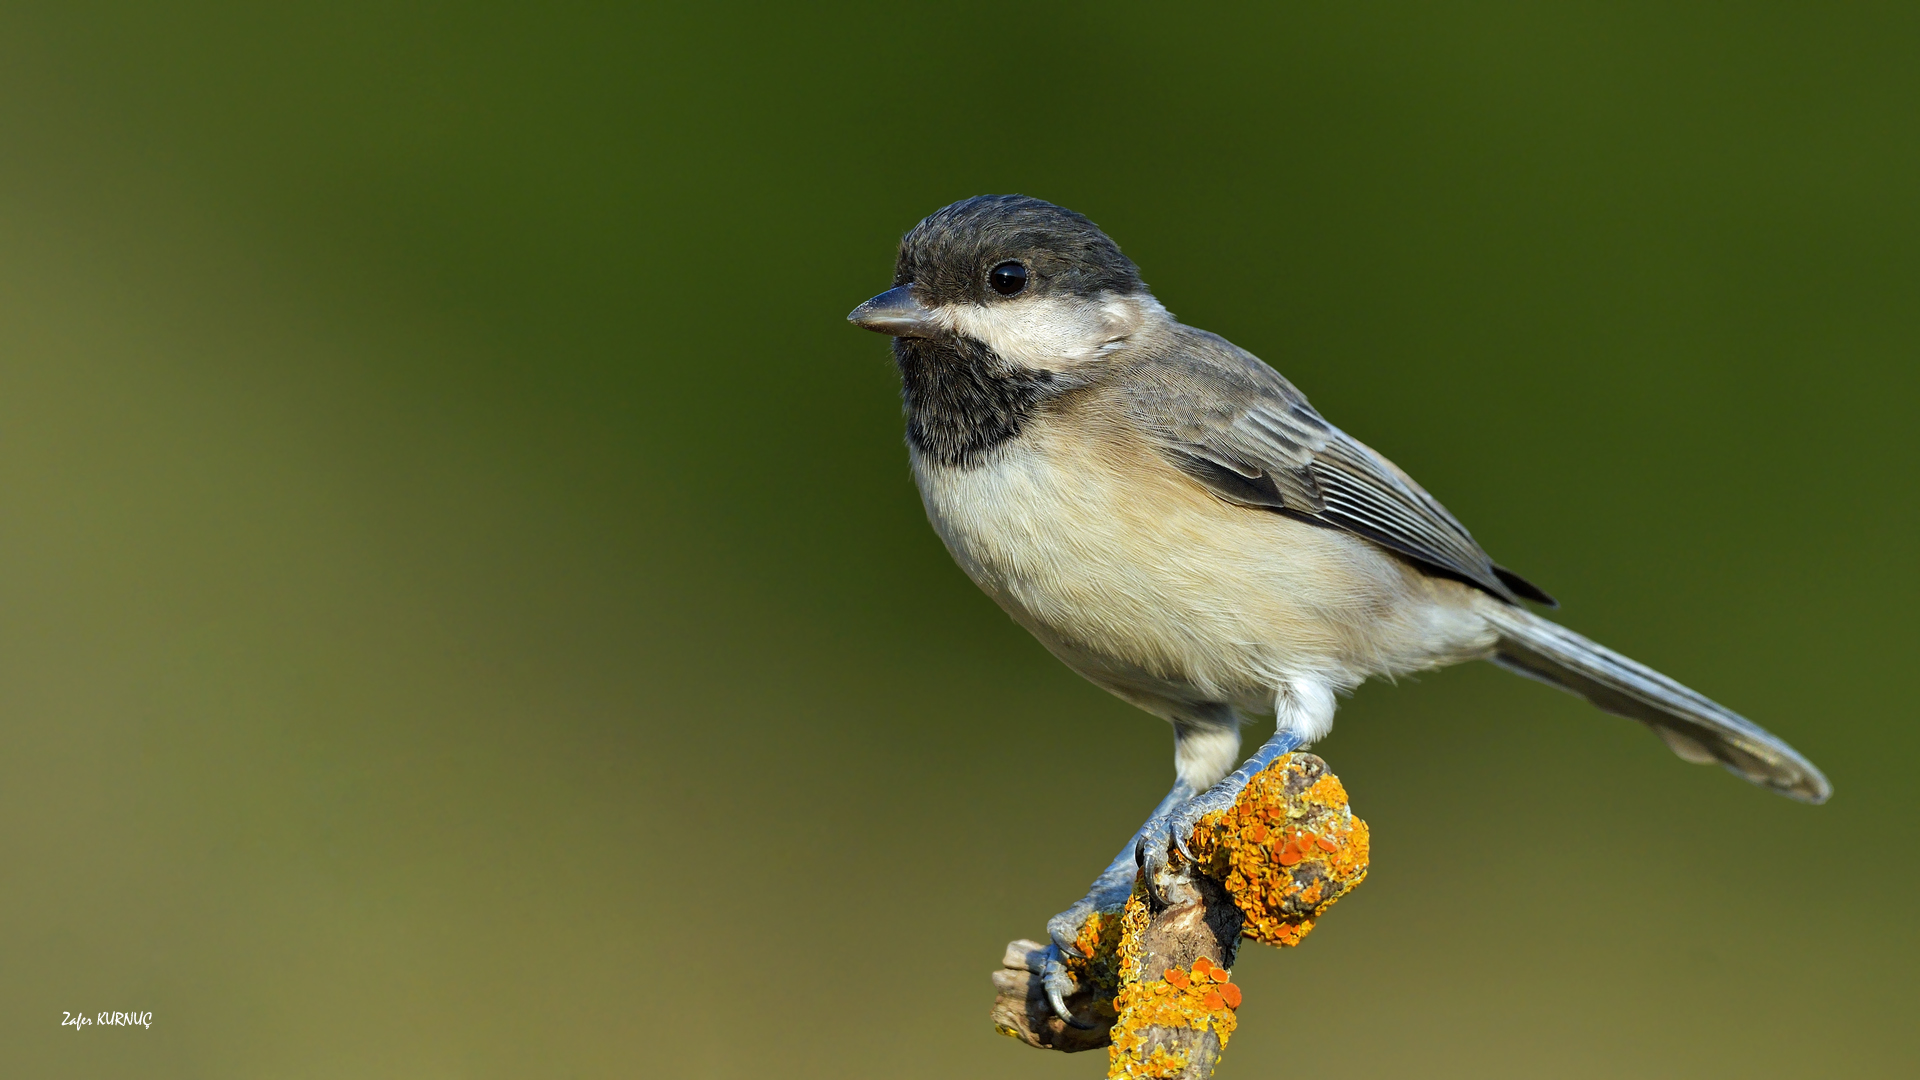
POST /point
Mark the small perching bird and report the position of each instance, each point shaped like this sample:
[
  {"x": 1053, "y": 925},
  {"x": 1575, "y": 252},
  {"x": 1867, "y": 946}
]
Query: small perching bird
[{"x": 1172, "y": 520}]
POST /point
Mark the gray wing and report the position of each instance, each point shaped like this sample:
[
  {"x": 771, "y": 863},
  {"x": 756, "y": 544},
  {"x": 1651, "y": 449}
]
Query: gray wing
[{"x": 1232, "y": 423}]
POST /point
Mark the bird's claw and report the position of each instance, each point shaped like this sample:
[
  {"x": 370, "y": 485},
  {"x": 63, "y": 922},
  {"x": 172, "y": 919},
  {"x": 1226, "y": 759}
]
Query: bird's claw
[
  {"x": 1109, "y": 892},
  {"x": 1060, "y": 985},
  {"x": 1169, "y": 832}
]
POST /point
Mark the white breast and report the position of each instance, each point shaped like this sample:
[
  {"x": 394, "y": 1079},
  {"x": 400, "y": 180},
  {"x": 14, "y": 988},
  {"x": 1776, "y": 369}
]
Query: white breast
[{"x": 1149, "y": 585}]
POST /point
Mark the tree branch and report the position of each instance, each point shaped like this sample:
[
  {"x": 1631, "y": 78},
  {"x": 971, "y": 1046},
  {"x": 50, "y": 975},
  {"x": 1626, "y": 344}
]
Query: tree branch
[{"x": 1156, "y": 980}]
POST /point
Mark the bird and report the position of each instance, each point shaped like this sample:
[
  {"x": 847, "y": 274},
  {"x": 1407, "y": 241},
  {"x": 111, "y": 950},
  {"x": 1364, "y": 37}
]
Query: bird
[{"x": 1175, "y": 522}]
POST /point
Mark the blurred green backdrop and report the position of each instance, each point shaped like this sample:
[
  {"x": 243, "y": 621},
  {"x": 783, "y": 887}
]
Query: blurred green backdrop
[{"x": 464, "y": 611}]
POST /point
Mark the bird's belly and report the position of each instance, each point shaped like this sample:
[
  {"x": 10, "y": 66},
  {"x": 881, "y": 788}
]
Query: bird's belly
[{"x": 1149, "y": 585}]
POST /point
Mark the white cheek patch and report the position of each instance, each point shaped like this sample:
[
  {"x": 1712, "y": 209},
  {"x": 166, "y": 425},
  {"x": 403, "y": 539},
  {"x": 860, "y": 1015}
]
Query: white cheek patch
[{"x": 1048, "y": 333}]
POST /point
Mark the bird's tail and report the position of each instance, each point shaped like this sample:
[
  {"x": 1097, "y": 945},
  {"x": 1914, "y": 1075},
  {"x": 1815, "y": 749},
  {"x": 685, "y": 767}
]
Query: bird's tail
[{"x": 1694, "y": 727}]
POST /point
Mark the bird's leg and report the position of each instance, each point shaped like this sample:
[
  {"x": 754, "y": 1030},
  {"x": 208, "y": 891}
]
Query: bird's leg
[
  {"x": 1303, "y": 712},
  {"x": 1206, "y": 743},
  {"x": 1109, "y": 892}
]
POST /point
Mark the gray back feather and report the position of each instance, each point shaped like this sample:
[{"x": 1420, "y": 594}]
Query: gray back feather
[{"x": 1233, "y": 423}]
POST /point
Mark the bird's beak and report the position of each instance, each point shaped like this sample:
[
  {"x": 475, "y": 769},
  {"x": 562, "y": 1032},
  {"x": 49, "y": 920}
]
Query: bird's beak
[{"x": 895, "y": 312}]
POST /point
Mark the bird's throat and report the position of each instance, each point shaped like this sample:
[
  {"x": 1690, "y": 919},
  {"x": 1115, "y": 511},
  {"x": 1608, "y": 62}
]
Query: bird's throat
[{"x": 963, "y": 400}]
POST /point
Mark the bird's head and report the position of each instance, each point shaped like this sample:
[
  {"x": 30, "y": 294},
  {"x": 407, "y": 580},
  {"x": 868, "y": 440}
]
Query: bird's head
[{"x": 1039, "y": 285}]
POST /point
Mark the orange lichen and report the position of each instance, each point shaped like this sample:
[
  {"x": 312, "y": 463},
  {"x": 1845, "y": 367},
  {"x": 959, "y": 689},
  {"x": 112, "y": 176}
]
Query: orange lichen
[
  {"x": 1162, "y": 1062},
  {"x": 1097, "y": 966},
  {"x": 1285, "y": 851},
  {"x": 1199, "y": 998},
  {"x": 1282, "y": 886}
]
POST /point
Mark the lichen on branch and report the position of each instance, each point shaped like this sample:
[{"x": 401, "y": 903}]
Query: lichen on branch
[
  {"x": 1286, "y": 849},
  {"x": 1157, "y": 978}
]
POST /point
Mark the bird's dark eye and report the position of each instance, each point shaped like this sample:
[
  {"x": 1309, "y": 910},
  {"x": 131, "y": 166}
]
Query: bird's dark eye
[{"x": 1008, "y": 278}]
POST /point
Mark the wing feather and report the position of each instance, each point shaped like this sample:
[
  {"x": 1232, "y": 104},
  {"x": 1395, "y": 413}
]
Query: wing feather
[{"x": 1237, "y": 426}]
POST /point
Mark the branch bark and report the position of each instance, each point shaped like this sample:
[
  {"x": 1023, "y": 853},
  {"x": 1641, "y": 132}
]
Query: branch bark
[{"x": 1158, "y": 981}]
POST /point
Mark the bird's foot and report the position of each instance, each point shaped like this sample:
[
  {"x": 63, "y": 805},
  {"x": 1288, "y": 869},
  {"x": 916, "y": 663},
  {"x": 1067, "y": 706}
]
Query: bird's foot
[
  {"x": 1109, "y": 893},
  {"x": 1167, "y": 832}
]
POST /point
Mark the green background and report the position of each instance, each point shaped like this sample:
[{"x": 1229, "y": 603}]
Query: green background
[{"x": 464, "y": 611}]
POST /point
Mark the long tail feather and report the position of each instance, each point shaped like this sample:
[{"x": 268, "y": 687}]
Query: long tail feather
[{"x": 1695, "y": 727}]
